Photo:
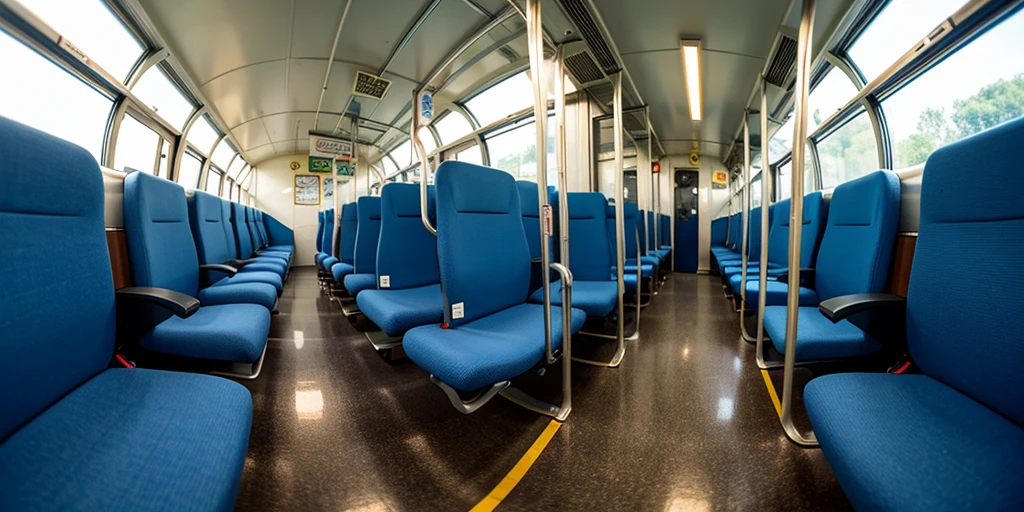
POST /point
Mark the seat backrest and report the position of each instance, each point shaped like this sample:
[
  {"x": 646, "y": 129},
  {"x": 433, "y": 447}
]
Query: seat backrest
[
  {"x": 349, "y": 226},
  {"x": 327, "y": 240},
  {"x": 161, "y": 250},
  {"x": 58, "y": 323},
  {"x": 482, "y": 251},
  {"x": 652, "y": 232},
  {"x": 242, "y": 237},
  {"x": 206, "y": 218},
  {"x": 276, "y": 232},
  {"x": 367, "y": 235},
  {"x": 665, "y": 224},
  {"x": 735, "y": 232},
  {"x": 250, "y": 224},
  {"x": 964, "y": 303},
  {"x": 407, "y": 252},
  {"x": 815, "y": 215},
  {"x": 754, "y": 234},
  {"x": 641, "y": 229},
  {"x": 261, "y": 227},
  {"x": 860, "y": 234},
  {"x": 229, "y": 230},
  {"x": 320, "y": 231},
  {"x": 719, "y": 231},
  {"x": 629, "y": 224},
  {"x": 530, "y": 205},
  {"x": 588, "y": 236}
]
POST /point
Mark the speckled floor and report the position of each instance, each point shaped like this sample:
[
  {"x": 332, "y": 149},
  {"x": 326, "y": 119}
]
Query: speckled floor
[{"x": 684, "y": 424}]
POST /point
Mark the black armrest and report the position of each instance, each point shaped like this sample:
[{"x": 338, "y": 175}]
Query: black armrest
[
  {"x": 181, "y": 305},
  {"x": 882, "y": 315},
  {"x": 239, "y": 263},
  {"x": 219, "y": 267},
  {"x": 806, "y": 277}
]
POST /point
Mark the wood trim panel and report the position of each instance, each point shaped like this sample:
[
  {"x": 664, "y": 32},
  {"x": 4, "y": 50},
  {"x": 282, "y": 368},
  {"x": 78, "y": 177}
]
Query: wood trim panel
[
  {"x": 902, "y": 260},
  {"x": 117, "y": 244}
]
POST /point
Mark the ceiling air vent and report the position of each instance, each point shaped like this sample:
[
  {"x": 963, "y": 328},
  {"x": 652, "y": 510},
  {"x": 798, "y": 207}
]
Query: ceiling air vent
[
  {"x": 583, "y": 68},
  {"x": 509, "y": 54},
  {"x": 781, "y": 61},
  {"x": 589, "y": 31},
  {"x": 370, "y": 86}
]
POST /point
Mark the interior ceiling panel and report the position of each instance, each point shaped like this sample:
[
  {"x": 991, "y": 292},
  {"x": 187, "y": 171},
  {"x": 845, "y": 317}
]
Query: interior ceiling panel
[
  {"x": 396, "y": 100},
  {"x": 251, "y": 135},
  {"x": 213, "y": 37},
  {"x": 251, "y": 92},
  {"x": 261, "y": 153},
  {"x": 282, "y": 126},
  {"x": 369, "y": 44},
  {"x": 306, "y": 77},
  {"x": 451, "y": 23}
]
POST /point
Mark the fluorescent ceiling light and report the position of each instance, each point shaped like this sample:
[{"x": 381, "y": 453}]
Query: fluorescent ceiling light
[{"x": 691, "y": 66}]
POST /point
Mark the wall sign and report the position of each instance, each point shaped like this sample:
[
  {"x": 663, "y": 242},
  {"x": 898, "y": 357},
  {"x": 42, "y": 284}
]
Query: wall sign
[
  {"x": 328, "y": 186},
  {"x": 325, "y": 151},
  {"x": 307, "y": 190},
  {"x": 295, "y": 166}
]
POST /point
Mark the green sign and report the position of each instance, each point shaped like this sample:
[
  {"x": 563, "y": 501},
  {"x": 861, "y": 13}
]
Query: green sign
[
  {"x": 319, "y": 164},
  {"x": 346, "y": 169}
]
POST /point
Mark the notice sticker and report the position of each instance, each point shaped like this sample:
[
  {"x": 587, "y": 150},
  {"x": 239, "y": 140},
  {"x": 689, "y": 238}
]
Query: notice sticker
[
  {"x": 385, "y": 281},
  {"x": 458, "y": 310},
  {"x": 548, "y": 223}
]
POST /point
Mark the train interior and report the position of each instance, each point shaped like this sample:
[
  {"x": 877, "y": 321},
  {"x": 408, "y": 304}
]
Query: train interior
[{"x": 321, "y": 255}]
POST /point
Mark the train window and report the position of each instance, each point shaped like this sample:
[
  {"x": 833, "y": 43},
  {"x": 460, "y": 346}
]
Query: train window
[
  {"x": 427, "y": 139},
  {"x": 470, "y": 155},
  {"x": 165, "y": 159},
  {"x": 829, "y": 96},
  {"x": 784, "y": 184},
  {"x": 202, "y": 135},
  {"x": 136, "y": 146},
  {"x": 223, "y": 154},
  {"x": 502, "y": 99},
  {"x": 225, "y": 191},
  {"x": 245, "y": 175},
  {"x": 848, "y": 153},
  {"x": 159, "y": 93},
  {"x": 976, "y": 88},
  {"x": 53, "y": 100},
  {"x": 389, "y": 165},
  {"x": 755, "y": 189},
  {"x": 213, "y": 181},
  {"x": 248, "y": 180},
  {"x": 895, "y": 31},
  {"x": 93, "y": 28},
  {"x": 188, "y": 173},
  {"x": 236, "y": 167},
  {"x": 515, "y": 152},
  {"x": 781, "y": 143},
  {"x": 452, "y": 127},
  {"x": 402, "y": 154}
]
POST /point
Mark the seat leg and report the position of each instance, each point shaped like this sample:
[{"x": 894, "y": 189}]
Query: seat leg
[{"x": 256, "y": 367}]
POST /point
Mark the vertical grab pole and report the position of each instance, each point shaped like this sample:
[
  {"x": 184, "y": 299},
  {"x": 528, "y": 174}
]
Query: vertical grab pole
[
  {"x": 425, "y": 171},
  {"x": 563, "y": 226},
  {"x": 535, "y": 42},
  {"x": 620, "y": 243},
  {"x": 766, "y": 194},
  {"x": 655, "y": 189},
  {"x": 803, "y": 68},
  {"x": 746, "y": 225}
]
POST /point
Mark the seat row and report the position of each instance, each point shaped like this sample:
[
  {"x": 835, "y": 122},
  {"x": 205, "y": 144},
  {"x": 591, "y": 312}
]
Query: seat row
[
  {"x": 944, "y": 430},
  {"x": 83, "y": 428}
]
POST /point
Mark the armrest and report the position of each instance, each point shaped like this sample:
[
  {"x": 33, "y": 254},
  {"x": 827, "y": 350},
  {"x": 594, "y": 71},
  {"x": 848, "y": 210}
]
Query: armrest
[
  {"x": 806, "y": 276},
  {"x": 239, "y": 263},
  {"x": 181, "y": 305},
  {"x": 882, "y": 315},
  {"x": 219, "y": 267}
]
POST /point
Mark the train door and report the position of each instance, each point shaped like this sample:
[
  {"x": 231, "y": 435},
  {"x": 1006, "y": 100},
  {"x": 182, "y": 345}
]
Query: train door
[{"x": 686, "y": 220}]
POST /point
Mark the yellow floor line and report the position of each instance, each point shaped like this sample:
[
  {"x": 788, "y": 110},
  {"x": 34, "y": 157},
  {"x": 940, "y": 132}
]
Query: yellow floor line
[
  {"x": 771, "y": 392},
  {"x": 507, "y": 484}
]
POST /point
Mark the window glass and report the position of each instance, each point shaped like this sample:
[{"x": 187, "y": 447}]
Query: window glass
[
  {"x": 515, "y": 152},
  {"x": 976, "y": 88},
  {"x": 248, "y": 180},
  {"x": 502, "y": 99},
  {"x": 236, "y": 167},
  {"x": 389, "y": 165},
  {"x": 202, "y": 135},
  {"x": 136, "y": 146},
  {"x": 53, "y": 100},
  {"x": 402, "y": 154},
  {"x": 229, "y": 185},
  {"x": 848, "y": 153},
  {"x": 159, "y": 93},
  {"x": 213, "y": 181},
  {"x": 785, "y": 182},
  {"x": 188, "y": 174},
  {"x": 427, "y": 139},
  {"x": 471, "y": 155},
  {"x": 755, "y": 189},
  {"x": 896, "y": 30},
  {"x": 165, "y": 159},
  {"x": 452, "y": 127},
  {"x": 222, "y": 155},
  {"x": 92, "y": 28},
  {"x": 782, "y": 142},
  {"x": 829, "y": 96}
]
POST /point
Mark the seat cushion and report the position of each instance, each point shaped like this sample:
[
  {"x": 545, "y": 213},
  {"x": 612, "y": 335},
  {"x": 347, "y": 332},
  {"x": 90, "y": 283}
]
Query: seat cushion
[
  {"x": 290, "y": 249},
  {"x": 596, "y": 298},
  {"x": 355, "y": 283},
  {"x": 329, "y": 262},
  {"x": 909, "y": 442},
  {"x": 775, "y": 293},
  {"x": 321, "y": 256},
  {"x": 262, "y": 266},
  {"x": 340, "y": 270},
  {"x": 817, "y": 338},
  {"x": 397, "y": 311},
  {"x": 132, "y": 440},
  {"x": 752, "y": 268},
  {"x": 490, "y": 349},
  {"x": 261, "y": 294},
  {"x": 232, "y": 332},
  {"x": 282, "y": 266},
  {"x": 271, "y": 278},
  {"x": 283, "y": 256}
]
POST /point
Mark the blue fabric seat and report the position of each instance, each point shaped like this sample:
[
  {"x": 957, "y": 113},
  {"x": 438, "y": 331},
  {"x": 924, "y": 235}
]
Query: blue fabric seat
[
  {"x": 163, "y": 255},
  {"x": 492, "y": 333},
  {"x": 364, "y": 276},
  {"x": 247, "y": 247},
  {"x": 259, "y": 263},
  {"x": 958, "y": 425},
  {"x": 319, "y": 237},
  {"x": 75, "y": 435},
  {"x": 409, "y": 293},
  {"x": 260, "y": 245},
  {"x": 261, "y": 231},
  {"x": 654, "y": 238},
  {"x": 325, "y": 258},
  {"x": 630, "y": 215},
  {"x": 206, "y": 220},
  {"x": 347, "y": 246},
  {"x": 529, "y": 200},
  {"x": 854, "y": 257},
  {"x": 592, "y": 291},
  {"x": 726, "y": 264}
]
